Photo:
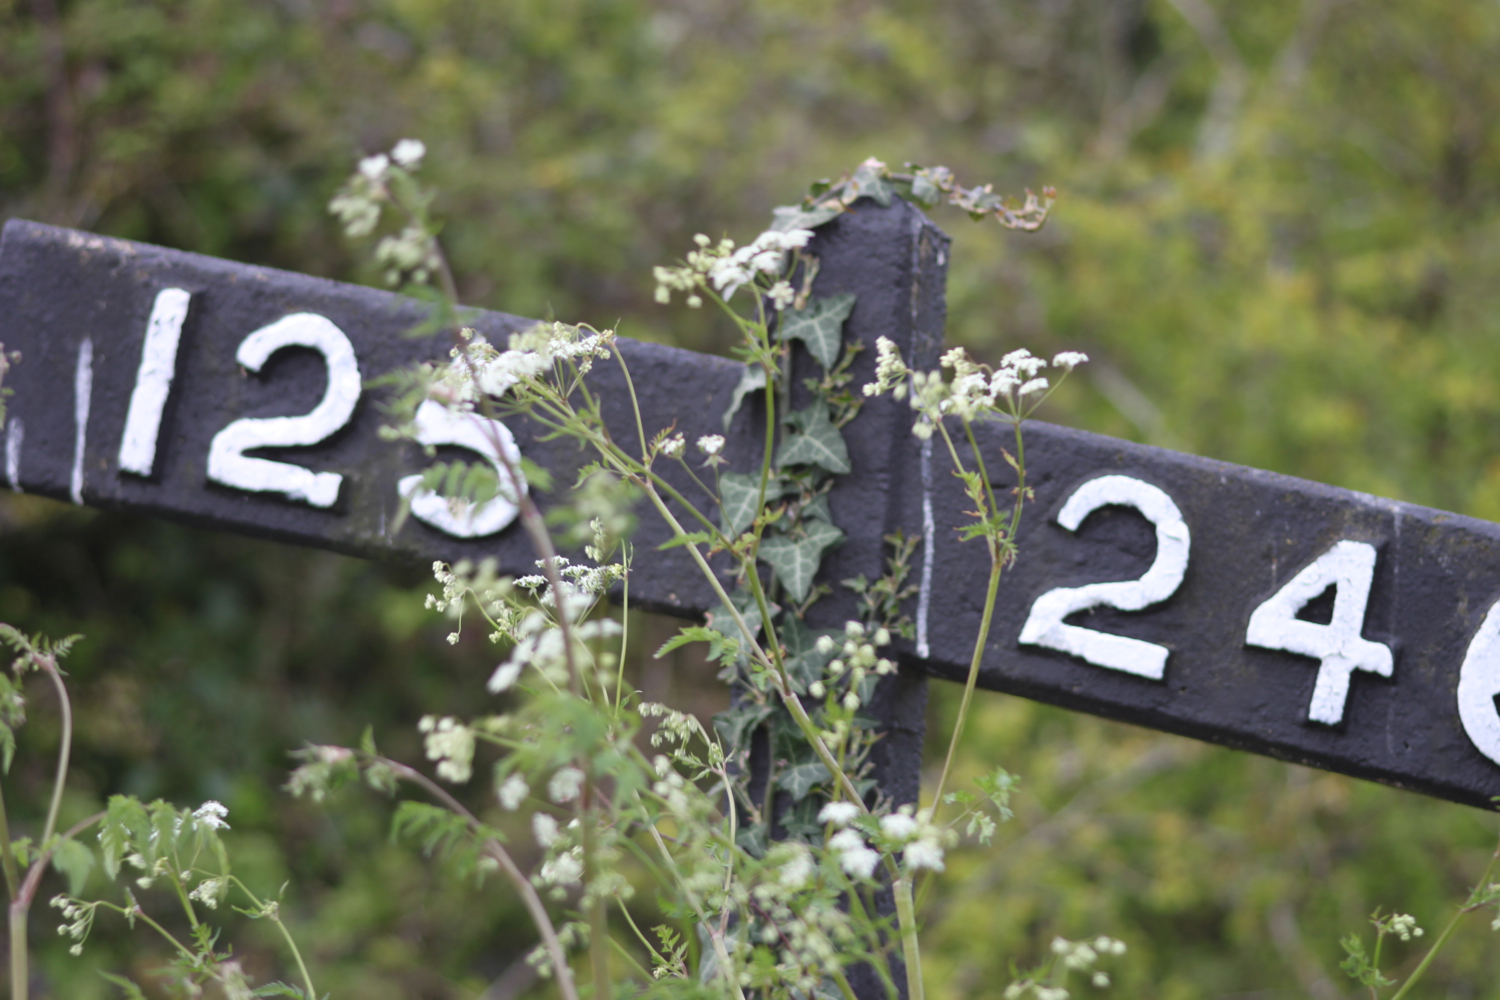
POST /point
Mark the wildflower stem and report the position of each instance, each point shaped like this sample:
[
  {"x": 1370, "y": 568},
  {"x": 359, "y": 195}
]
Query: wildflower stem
[
  {"x": 49, "y": 665},
  {"x": 1437, "y": 945},
  {"x": 969, "y": 683},
  {"x": 296, "y": 955},
  {"x": 911, "y": 951},
  {"x": 7, "y": 856}
]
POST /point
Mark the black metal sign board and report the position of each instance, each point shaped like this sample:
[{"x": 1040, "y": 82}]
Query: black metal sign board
[{"x": 1241, "y": 607}]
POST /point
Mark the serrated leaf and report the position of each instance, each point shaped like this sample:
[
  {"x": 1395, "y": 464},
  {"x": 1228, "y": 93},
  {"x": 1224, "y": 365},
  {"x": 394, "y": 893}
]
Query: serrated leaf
[
  {"x": 817, "y": 442},
  {"x": 123, "y": 814},
  {"x": 690, "y": 634},
  {"x": 691, "y": 538},
  {"x": 721, "y": 620},
  {"x": 751, "y": 379},
  {"x": 75, "y": 861},
  {"x": 802, "y": 778},
  {"x": 820, "y": 326},
  {"x": 785, "y": 218},
  {"x": 132, "y": 991},
  {"x": 796, "y": 560}
]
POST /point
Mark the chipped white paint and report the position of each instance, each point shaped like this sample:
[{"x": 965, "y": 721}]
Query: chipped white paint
[
  {"x": 437, "y": 425},
  {"x": 1479, "y": 684},
  {"x": 1044, "y": 626},
  {"x": 83, "y": 391},
  {"x": 227, "y": 462},
  {"x": 929, "y": 530},
  {"x": 153, "y": 382},
  {"x": 1349, "y": 567},
  {"x": 15, "y": 434}
]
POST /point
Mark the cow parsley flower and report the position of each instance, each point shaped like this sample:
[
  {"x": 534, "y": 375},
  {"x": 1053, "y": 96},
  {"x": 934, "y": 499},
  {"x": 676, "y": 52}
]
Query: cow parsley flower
[
  {"x": 512, "y": 792},
  {"x": 408, "y": 153},
  {"x": 565, "y": 784},
  {"x": 711, "y": 444},
  {"x": 840, "y": 814},
  {"x": 211, "y": 814}
]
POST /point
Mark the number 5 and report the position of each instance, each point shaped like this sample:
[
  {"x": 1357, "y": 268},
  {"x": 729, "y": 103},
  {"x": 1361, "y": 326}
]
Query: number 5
[{"x": 1044, "y": 626}]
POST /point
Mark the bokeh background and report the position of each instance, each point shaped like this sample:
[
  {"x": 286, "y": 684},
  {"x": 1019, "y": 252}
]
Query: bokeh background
[{"x": 1278, "y": 237}]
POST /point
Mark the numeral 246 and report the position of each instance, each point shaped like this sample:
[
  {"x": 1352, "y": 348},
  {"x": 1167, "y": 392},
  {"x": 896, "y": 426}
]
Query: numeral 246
[{"x": 1348, "y": 567}]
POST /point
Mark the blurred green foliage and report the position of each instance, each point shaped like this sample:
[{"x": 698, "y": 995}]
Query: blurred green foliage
[{"x": 1278, "y": 237}]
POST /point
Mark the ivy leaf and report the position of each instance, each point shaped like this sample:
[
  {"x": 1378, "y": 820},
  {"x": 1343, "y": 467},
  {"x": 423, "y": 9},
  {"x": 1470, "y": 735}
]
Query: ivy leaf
[
  {"x": 796, "y": 560},
  {"x": 739, "y": 493},
  {"x": 816, "y": 509},
  {"x": 788, "y": 217},
  {"x": 752, "y": 840},
  {"x": 820, "y": 326},
  {"x": 817, "y": 443},
  {"x": 736, "y": 725},
  {"x": 75, "y": 861},
  {"x": 802, "y": 778},
  {"x": 870, "y": 180},
  {"x": 751, "y": 379},
  {"x": 804, "y": 664},
  {"x": 722, "y": 621}
]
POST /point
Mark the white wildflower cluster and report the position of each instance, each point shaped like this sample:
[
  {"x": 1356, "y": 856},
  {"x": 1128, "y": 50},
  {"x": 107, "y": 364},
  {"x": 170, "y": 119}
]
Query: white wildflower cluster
[
  {"x": 920, "y": 841},
  {"x": 359, "y": 201},
  {"x": 540, "y": 644},
  {"x": 1013, "y": 389},
  {"x": 801, "y": 920},
  {"x": 512, "y": 792},
  {"x": 79, "y": 917},
  {"x": 464, "y": 579},
  {"x": 674, "y": 446},
  {"x": 857, "y": 659},
  {"x": 855, "y": 856},
  {"x": 582, "y": 584},
  {"x": 451, "y": 744},
  {"x": 565, "y": 784},
  {"x": 478, "y": 367},
  {"x": 1081, "y": 957},
  {"x": 1404, "y": 926},
  {"x": 211, "y": 814},
  {"x": 726, "y": 268},
  {"x": 711, "y": 444},
  {"x": 211, "y": 891},
  {"x": 153, "y": 869},
  {"x": 413, "y": 251}
]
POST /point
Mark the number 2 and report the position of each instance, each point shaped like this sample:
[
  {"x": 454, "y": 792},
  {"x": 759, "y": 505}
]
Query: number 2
[
  {"x": 227, "y": 462},
  {"x": 1044, "y": 626}
]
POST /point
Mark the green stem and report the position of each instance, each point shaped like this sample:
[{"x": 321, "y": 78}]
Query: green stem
[
  {"x": 971, "y": 681},
  {"x": 7, "y": 856},
  {"x": 1447, "y": 932},
  {"x": 911, "y": 952},
  {"x": 63, "y": 752},
  {"x": 312, "y": 994},
  {"x": 20, "y": 974}
]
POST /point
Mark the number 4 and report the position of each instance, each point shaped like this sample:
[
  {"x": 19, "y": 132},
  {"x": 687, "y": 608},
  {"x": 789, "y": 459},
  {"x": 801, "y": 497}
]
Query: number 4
[{"x": 1349, "y": 567}]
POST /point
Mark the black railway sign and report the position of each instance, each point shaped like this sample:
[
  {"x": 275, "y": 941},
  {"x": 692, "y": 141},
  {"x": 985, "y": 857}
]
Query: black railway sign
[{"x": 1255, "y": 610}]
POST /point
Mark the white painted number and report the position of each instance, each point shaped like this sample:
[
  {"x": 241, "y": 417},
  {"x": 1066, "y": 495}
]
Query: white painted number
[
  {"x": 437, "y": 425},
  {"x": 227, "y": 462},
  {"x": 1479, "y": 683},
  {"x": 1044, "y": 626},
  {"x": 153, "y": 382},
  {"x": 1349, "y": 567}
]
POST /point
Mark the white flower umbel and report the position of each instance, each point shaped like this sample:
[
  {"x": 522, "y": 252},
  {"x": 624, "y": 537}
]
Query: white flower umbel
[
  {"x": 451, "y": 744},
  {"x": 512, "y": 792},
  {"x": 855, "y": 857},
  {"x": 408, "y": 153},
  {"x": 711, "y": 444},
  {"x": 565, "y": 784},
  {"x": 212, "y": 815},
  {"x": 840, "y": 814},
  {"x": 544, "y": 829}
]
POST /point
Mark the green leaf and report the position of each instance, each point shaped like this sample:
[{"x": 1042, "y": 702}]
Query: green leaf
[
  {"x": 804, "y": 664},
  {"x": 691, "y": 538},
  {"x": 785, "y": 218},
  {"x": 739, "y": 493},
  {"x": 869, "y": 180},
  {"x": 132, "y": 991},
  {"x": 796, "y": 560},
  {"x": 817, "y": 509},
  {"x": 719, "y": 618},
  {"x": 923, "y": 191},
  {"x": 735, "y": 726},
  {"x": 690, "y": 634},
  {"x": 123, "y": 814},
  {"x": 803, "y": 778},
  {"x": 817, "y": 443},
  {"x": 752, "y": 840},
  {"x": 75, "y": 861},
  {"x": 753, "y": 378},
  {"x": 820, "y": 326}
]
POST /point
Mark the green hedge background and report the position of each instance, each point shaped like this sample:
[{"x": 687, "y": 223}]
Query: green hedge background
[{"x": 1278, "y": 237}]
